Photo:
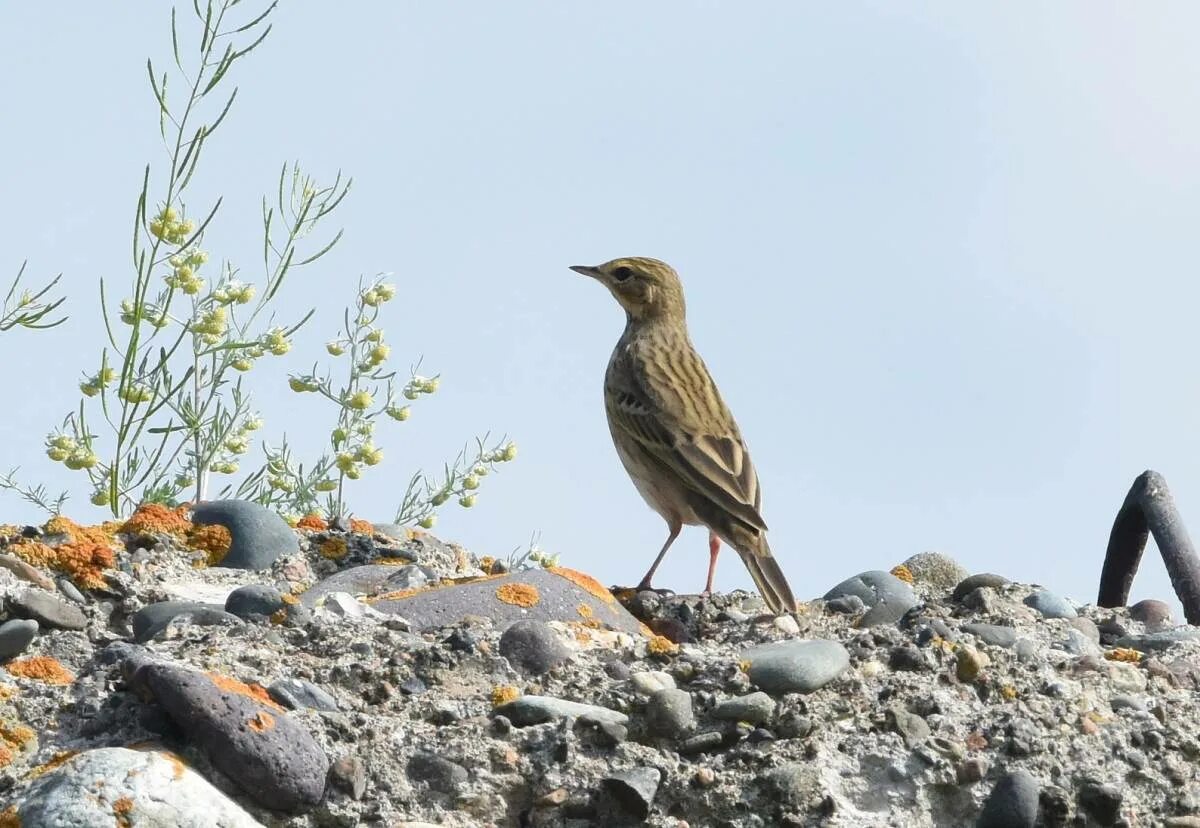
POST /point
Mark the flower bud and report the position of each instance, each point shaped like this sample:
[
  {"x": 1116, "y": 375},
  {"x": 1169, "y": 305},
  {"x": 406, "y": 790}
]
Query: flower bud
[
  {"x": 399, "y": 414},
  {"x": 509, "y": 452},
  {"x": 439, "y": 498},
  {"x": 100, "y": 497},
  {"x": 470, "y": 482},
  {"x": 386, "y": 292},
  {"x": 375, "y": 335},
  {"x": 427, "y": 522},
  {"x": 298, "y": 384},
  {"x": 335, "y": 348},
  {"x": 344, "y": 461},
  {"x": 379, "y": 353},
  {"x": 360, "y": 400},
  {"x": 467, "y": 501},
  {"x": 57, "y": 454},
  {"x": 325, "y": 485}
]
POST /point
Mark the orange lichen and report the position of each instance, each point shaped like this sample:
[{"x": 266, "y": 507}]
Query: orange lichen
[
  {"x": 503, "y": 694},
  {"x": 903, "y": 573},
  {"x": 334, "y": 549},
  {"x": 121, "y": 809},
  {"x": 584, "y": 611},
  {"x": 14, "y": 738},
  {"x": 83, "y": 561},
  {"x": 255, "y": 692},
  {"x": 660, "y": 645},
  {"x": 362, "y": 527},
  {"x": 584, "y": 582},
  {"x": 9, "y": 817},
  {"x": 261, "y": 722},
  {"x": 1125, "y": 654},
  {"x": 313, "y": 522},
  {"x": 645, "y": 630},
  {"x": 521, "y": 595},
  {"x": 288, "y": 598},
  {"x": 56, "y": 761},
  {"x": 212, "y": 539},
  {"x": 486, "y": 563},
  {"x": 393, "y": 596},
  {"x": 7, "y": 691},
  {"x": 152, "y": 518},
  {"x": 41, "y": 668}
]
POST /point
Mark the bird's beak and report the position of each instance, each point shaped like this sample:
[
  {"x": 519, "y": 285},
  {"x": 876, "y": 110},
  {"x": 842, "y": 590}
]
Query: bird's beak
[{"x": 586, "y": 270}]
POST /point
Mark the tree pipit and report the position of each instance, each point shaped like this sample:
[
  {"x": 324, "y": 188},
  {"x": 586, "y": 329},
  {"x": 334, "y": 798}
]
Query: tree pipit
[{"x": 673, "y": 432}]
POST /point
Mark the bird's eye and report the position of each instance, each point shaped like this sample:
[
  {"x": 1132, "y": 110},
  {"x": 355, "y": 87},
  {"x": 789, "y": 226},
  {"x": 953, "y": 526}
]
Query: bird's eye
[{"x": 622, "y": 273}]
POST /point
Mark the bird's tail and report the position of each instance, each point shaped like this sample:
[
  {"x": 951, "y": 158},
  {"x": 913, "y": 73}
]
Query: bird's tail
[{"x": 768, "y": 577}]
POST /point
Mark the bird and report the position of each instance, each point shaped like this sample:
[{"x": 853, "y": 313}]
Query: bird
[{"x": 673, "y": 432}]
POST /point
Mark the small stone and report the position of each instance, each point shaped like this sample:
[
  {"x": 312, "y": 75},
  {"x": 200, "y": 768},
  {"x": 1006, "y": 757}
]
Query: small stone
[
  {"x": 669, "y": 714},
  {"x": 47, "y": 609},
  {"x": 912, "y": 727},
  {"x": 630, "y": 793},
  {"x": 552, "y": 799},
  {"x": 794, "y": 784},
  {"x": 259, "y": 535},
  {"x": 969, "y": 663},
  {"x": 297, "y": 693},
  {"x": 993, "y": 634},
  {"x": 25, "y": 571},
  {"x": 1087, "y": 627},
  {"x": 1050, "y": 605},
  {"x": 70, "y": 591},
  {"x": 254, "y": 599},
  {"x": 938, "y": 572},
  {"x": 845, "y": 605},
  {"x": 439, "y": 773},
  {"x": 701, "y": 742},
  {"x": 1100, "y": 801},
  {"x": 350, "y": 774},
  {"x": 1013, "y": 802},
  {"x": 887, "y": 597},
  {"x": 787, "y": 625},
  {"x": 650, "y": 682},
  {"x": 906, "y": 657},
  {"x": 1153, "y": 613},
  {"x": 532, "y": 710},
  {"x": 754, "y": 708},
  {"x": 153, "y": 619},
  {"x": 973, "y": 582},
  {"x": 704, "y": 777},
  {"x": 796, "y": 666},
  {"x": 15, "y": 636},
  {"x": 970, "y": 771},
  {"x": 1157, "y": 641},
  {"x": 533, "y": 647}
]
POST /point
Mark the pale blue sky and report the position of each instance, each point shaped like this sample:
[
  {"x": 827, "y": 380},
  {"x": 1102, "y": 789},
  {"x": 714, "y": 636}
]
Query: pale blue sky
[{"x": 941, "y": 258}]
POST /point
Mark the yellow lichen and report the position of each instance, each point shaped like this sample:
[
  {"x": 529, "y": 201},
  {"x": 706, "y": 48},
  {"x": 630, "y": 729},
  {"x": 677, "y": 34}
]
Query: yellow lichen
[
  {"x": 1125, "y": 654},
  {"x": 41, "y": 668},
  {"x": 503, "y": 694},
  {"x": 313, "y": 522},
  {"x": 1008, "y": 691},
  {"x": 584, "y": 582},
  {"x": 903, "y": 573},
  {"x": 660, "y": 645},
  {"x": 213, "y": 540},
  {"x": 521, "y": 595},
  {"x": 362, "y": 527},
  {"x": 334, "y": 549},
  {"x": 56, "y": 761},
  {"x": 486, "y": 563},
  {"x": 393, "y": 561},
  {"x": 585, "y": 611},
  {"x": 255, "y": 692}
]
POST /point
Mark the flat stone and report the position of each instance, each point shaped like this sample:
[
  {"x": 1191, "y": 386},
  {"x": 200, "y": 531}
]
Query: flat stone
[
  {"x": 1013, "y": 802},
  {"x": 439, "y": 773},
  {"x": 152, "y": 619},
  {"x": 629, "y": 793},
  {"x": 146, "y": 788},
  {"x": 973, "y": 582},
  {"x": 755, "y": 708},
  {"x": 533, "y": 647},
  {"x": 268, "y": 754},
  {"x": 259, "y": 535},
  {"x": 912, "y": 727},
  {"x": 1050, "y": 605},
  {"x": 70, "y": 591},
  {"x": 254, "y": 599},
  {"x": 669, "y": 714},
  {"x": 15, "y": 636},
  {"x": 47, "y": 609},
  {"x": 26, "y": 571},
  {"x": 886, "y": 597},
  {"x": 532, "y": 710},
  {"x": 796, "y": 666},
  {"x": 994, "y": 634},
  {"x": 1157, "y": 641},
  {"x": 297, "y": 693}
]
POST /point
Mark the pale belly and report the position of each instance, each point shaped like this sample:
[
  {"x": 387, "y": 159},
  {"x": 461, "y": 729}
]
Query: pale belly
[{"x": 663, "y": 496}]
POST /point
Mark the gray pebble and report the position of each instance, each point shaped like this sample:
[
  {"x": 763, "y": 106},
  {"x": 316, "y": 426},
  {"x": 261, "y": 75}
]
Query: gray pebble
[
  {"x": 994, "y": 634},
  {"x": 439, "y": 773},
  {"x": 796, "y": 666},
  {"x": 1050, "y": 605},
  {"x": 47, "y": 609},
  {"x": 70, "y": 591},
  {"x": 296, "y": 693},
  {"x": 254, "y": 599},
  {"x": 1013, "y": 802},
  {"x": 669, "y": 714},
  {"x": 533, "y": 647},
  {"x": 629, "y": 793},
  {"x": 887, "y": 597},
  {"x": 259, "y": 535},
  {"x": 531, "y": 710},
  {"x": 1153, "y": 613},
  {"x": 754, "y": 708},
  {"x": 15, "y": 636},
  {"x": 973, "y": 582},
  {"x": 152, "y": 619}
]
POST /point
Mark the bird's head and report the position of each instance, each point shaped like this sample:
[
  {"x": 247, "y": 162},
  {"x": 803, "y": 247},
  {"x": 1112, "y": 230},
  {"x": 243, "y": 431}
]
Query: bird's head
[{"x": 646, "y": 288}]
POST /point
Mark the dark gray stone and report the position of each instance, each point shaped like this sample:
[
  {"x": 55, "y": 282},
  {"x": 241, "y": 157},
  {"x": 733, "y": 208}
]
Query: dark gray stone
[
  {"x": 1164, "y": 640},
  {"x": 531, "y": 710},
  {"x": 70, "y": 591},
  {"x": 296, "y": 693},
  {"x": 1050, "y": 605},
  {"x": 1101, "y": 802},
  {"x": 269, "y": 755},
  {"x": 984, "y": 579},
  {"x": 796, "y": 666},
  {"x": 47, "y": 609},
  {"x": 15, "y": 636},
  {"x": 410, "y": 576},
  {"x": 254, "y": 599},
  {"x": 630, "y": 793},
  {"x": 152, "y": 619},
  {"x": 754, "y": 708},
  {"x": 886, "y": 597},
  {"x": 994, "y": 634},
  {"x": 669, "y": 714},
  {"x": 1013, "y": 802},
  {"x": 533, "y": 647},
  {"x": 846, "y": 605},
  {"x": 259, "y": 535},
  {"x": 438, "y": 773}
]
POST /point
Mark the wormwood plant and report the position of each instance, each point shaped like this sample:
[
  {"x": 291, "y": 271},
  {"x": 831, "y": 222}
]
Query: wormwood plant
[{"x": 28, "y": 310}]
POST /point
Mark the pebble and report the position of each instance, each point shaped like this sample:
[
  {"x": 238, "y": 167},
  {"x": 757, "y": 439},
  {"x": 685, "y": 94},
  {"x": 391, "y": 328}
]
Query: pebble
[
  {"x": 796, "y": 666},
  {"x": 755, "y": 708},
  {"x": 25, "y": 571},
  {"x": 15, "y": 636},
  {"x": 259, "y": 535},
  {"x": 973, "y": 582},
  {"x": 886, "y": 597},
  {"x": 531, "y": 710},
  {"x": 533, "y": 647},
  {"x": 912, "y": 727},
  {"x": 297, "y": 693},
  {"x": 1100, "y": 801},
  {"x": 1157, "y": 641},
  {"x": 669, "y": 714},
  {"x": 47, "y": 609},
  {"x": 1153, "y": 613},
  {"x": 1013, "y": 802},
  {"x": 254, "y": 600},
  {"x": 993, "y": 634},
  {"x": 439, "y": 773},
  {"x": 629, "y": 793},
  {"x": 1050, "y": 605},
  {"x": 350, "y": 774},
  {"x": 70, "y": 591},
  {"x": 938, "y": 572},
  {"x": 846, "y": 605},
  {"x": 123, "y": 787},
  {"x": 151, "y": 620},
  {"x": 969, "y": 663},
  {"x": 649, "y": 682}
]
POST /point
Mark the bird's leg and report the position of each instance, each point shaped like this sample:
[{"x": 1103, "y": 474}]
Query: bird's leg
[
  {"x": 714, "y": 549},
  {"x": 645, "y": 584}
]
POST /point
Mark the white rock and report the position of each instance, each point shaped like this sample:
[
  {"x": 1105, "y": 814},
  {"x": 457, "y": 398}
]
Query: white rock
[{"x": 651, "y": 681}]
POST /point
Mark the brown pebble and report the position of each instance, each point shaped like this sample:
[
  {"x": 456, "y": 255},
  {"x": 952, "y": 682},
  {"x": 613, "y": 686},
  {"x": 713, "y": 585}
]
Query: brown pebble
[
  {"x": 553, "y": 799},
  {"x": 705, "y": 777}
]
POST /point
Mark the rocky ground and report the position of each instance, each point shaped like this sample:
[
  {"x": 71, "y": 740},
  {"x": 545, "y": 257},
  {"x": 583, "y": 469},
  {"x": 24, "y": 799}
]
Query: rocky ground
[{"x": 233, "y": 671}]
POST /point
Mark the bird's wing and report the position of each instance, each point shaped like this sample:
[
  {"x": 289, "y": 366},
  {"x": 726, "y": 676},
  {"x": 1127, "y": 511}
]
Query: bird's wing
[{"x": 673, "y": 411}]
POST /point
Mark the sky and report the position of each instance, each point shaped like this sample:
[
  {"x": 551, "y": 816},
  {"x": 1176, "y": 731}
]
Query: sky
[{"x": 939, "y": 257}]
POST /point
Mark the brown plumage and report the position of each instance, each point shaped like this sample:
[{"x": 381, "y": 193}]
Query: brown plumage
[{"x": 673, "y": 432}]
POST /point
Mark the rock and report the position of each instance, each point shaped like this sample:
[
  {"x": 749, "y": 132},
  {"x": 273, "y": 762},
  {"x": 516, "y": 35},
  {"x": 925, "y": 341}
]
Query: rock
[
  {"x": 25, "y": 571},
  {"x": 973, "y": 582},
  {"x": 151, "y": 620},
  {"x": 540, "y": 594},
  {"x": 439, "y": 773},
  {"x": 1086, "y": 627},
  {"x": 1050, "y": 605},
  {"x": 755, "y": 708},
  {"x": 846, "y": 605},
  {"x": 886, "y": 597},
  {"x": 969, "y": 663},
  {"x": 531, "y": 710},
  {"x": 701, "y": 742},
  {"x": 350, "y": 774},
  {"x": 649, "y": 682},
  {"x": 630, "y": 793},
  {"x": 1153, "y": 613},
  {"x": 47, "y": 609},
  {"x": 259, "y": 535},
  {"x": 123, "y": 787},
  {"x": 796, "y": 666},
  {"x": 793, "y": 784},
  {"x": 912, "y": 727},
  {"x": 1157, "y": 641},
  {"x": 1013, "y": 802},
  {"x": 70, "y": 591},
  {"x": 15, "y": 636},
  {"x": 993, "y": 634},
  {"x": 669, "y": 714},
  {"x": 366, "y": 580},
  {"x": 1101, "y": 802},
  {"x": 296, "y": 693},
  {"x": 254, "y": 600},
  {"x": 269, "y": 755},
  {"x": 935, "y": 571},
  {"x": 532, "y": 647}
]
